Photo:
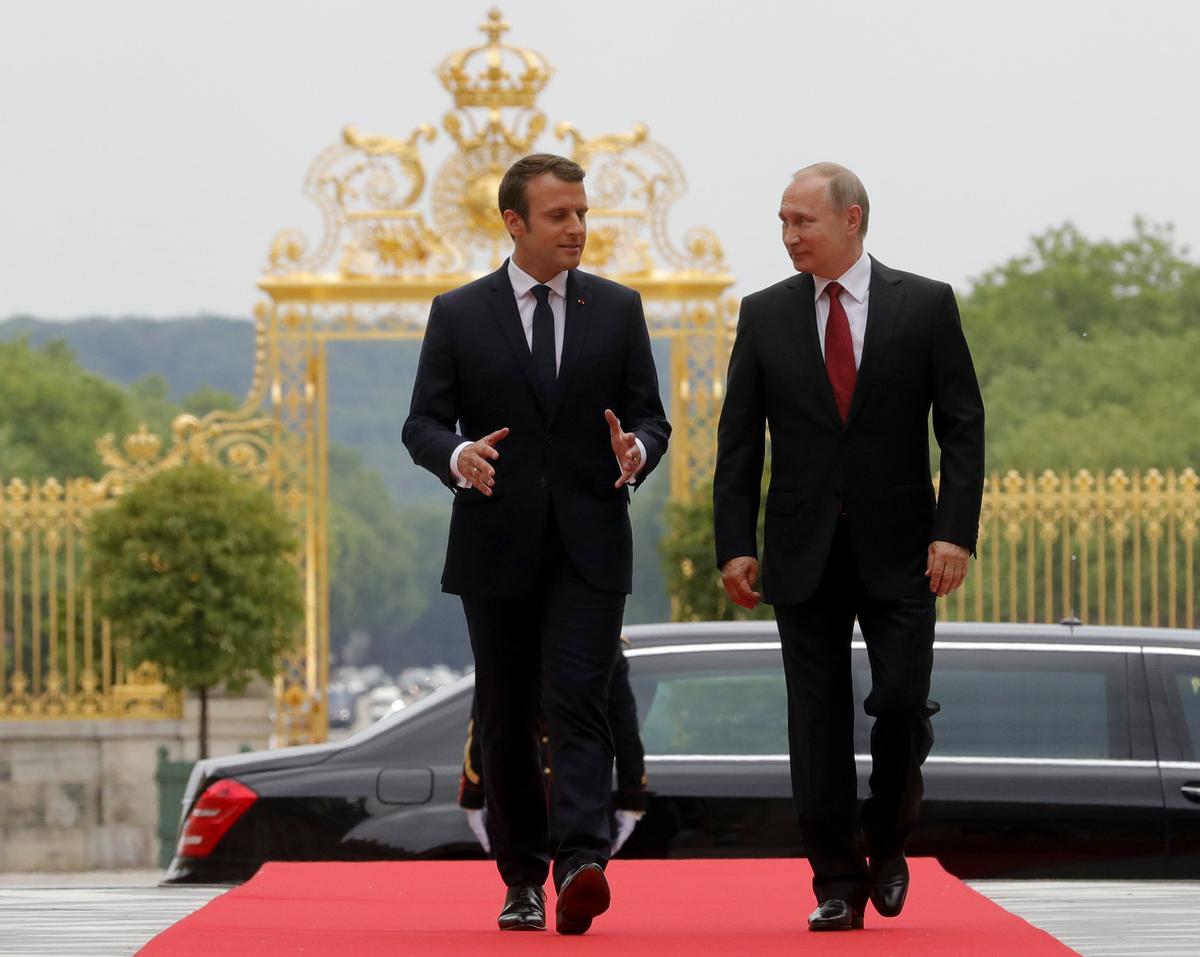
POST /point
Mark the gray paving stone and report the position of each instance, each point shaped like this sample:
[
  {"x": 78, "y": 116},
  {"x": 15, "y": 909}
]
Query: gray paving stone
[
  {"x": 1108, "y": 918},
  {"x": 115, "y": 914}
]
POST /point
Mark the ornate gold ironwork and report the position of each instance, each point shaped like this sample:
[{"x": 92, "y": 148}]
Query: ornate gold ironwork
[
  {"x": 380, "y": 260},
  {"x": 1112, "y": 549},
  {"x": 57, "y": 660}
]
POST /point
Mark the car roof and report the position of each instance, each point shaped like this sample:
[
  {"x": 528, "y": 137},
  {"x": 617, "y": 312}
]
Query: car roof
[{"x": 701, "y": 632}]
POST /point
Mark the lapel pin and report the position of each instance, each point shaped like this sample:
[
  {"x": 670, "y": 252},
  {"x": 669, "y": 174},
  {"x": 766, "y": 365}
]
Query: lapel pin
[{"x": 580, "y": 301}]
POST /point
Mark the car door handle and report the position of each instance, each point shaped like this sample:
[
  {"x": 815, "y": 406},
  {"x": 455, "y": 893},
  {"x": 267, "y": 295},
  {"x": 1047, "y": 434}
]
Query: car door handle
[{"x": 1191, "y": 792}]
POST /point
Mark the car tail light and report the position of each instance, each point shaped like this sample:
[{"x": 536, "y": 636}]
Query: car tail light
[{"x": 213, "y": 815}]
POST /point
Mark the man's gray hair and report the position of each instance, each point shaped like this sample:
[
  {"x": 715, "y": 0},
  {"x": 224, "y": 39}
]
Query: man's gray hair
[{"x": 845, "y": 189}]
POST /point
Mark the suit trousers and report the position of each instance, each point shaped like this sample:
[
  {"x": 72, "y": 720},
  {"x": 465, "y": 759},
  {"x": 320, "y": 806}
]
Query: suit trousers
[
  {"x": 815, "y": 636},
  {"x": 552, "y": 651}
]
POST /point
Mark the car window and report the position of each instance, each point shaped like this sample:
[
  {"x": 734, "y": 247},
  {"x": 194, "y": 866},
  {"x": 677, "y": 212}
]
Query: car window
[
  {"x": 1183, "y": 678},
  {"x": 739, "y": 711},
  {"x": 1023, "y": 704}
]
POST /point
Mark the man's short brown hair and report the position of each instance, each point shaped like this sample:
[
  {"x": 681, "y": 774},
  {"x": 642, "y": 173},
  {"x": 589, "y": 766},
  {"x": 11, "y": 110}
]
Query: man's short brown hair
[{"x": 513, "y": 194}]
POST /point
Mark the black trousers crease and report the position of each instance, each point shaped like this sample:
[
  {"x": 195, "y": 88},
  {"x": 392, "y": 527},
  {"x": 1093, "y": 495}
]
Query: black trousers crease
[
  {"x": 815, "y": 636},
  {"x": 550, "y": 651}
]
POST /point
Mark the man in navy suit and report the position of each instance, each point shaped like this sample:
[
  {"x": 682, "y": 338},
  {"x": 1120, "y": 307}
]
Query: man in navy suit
[
  {"x": 536, "y": 401},
  {"x": 845, "y": 361}
]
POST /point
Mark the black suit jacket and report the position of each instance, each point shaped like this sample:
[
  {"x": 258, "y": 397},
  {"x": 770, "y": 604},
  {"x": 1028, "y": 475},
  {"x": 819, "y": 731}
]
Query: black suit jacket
[
  {"x": 915, "y": 359},
  {"x": 476, "y": 375}
]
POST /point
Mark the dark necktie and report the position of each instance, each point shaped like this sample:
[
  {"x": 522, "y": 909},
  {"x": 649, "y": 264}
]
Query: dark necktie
[
  {"x": 543, "y": 340},
  {"x": 839, "y": 351}
]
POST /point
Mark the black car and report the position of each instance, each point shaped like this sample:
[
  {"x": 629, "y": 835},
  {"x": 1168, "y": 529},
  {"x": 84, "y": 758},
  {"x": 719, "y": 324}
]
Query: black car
[{"x": 1065, "y": 752}]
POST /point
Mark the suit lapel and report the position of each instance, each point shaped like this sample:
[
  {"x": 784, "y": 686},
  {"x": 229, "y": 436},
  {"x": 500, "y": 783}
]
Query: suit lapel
[
  {"x": 575, "y": 329},
  {"x": 504, "y": 308},
  {"x": 809, "y": 340},
  {"x": 883, "y": 315}
]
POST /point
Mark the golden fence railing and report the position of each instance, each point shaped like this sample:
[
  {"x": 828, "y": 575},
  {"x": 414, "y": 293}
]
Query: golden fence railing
[
  {"x": 57, "y": 658},
  {"x": 1116, "y": 549}
]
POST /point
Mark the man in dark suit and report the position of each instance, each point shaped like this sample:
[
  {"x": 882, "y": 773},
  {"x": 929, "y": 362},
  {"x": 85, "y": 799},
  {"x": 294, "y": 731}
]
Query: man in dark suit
[
  {"x": 844, "y": 363},
  {"x": 527, "y": 381}
]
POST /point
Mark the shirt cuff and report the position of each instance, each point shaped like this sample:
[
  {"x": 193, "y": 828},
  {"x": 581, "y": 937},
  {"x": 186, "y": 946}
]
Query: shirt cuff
[
  {"x": 459, "y": 479},
  {"x": 641, "y": 460}
]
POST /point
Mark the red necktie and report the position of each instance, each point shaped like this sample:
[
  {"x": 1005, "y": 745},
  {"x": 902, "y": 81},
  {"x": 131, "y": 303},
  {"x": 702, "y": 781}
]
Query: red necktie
[{"x": 839, "y": 351}]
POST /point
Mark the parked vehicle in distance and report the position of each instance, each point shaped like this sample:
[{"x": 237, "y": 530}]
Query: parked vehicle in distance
[
  {"x": 342, "y": 704},
  {"x": 384, "y": 700},
  {"x": 1064, "y": 752}
]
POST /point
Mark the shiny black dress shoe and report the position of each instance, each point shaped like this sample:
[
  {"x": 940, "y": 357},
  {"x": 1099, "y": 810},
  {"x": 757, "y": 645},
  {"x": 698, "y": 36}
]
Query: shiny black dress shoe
[
  {"x": 836, "y": 914},
  {"x": 583, "y": 895},
  {"x": 524, "y": 908},
  {"x": 891, "y": 885}
]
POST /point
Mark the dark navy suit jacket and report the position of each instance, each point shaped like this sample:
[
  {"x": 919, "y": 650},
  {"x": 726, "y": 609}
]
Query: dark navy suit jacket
[
  {"x": 876, "y": 466},
  {"x": 476, "y": 375}
]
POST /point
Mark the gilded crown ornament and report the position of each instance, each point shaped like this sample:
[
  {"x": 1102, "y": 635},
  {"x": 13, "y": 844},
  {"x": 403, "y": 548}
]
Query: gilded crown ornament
[
  {"x": 510, "y": 76},
  {"x": 369, "y": 185}
]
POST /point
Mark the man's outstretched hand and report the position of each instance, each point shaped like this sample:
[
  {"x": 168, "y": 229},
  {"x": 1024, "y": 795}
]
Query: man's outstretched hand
[
  {"x": 475, "y": 461},
  {"x": 739, "y": 576},
  {"x": 625, "y": 448}
]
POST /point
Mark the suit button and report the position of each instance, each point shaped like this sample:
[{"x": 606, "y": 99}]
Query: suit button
[
  {"x": 549, "y": 440},
  {"x": 542, "y": 482}
]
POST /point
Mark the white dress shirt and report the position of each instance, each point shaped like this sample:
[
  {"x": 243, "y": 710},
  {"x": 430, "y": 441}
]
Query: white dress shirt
[
  {"x": 856, "y": 281},
  {"x": 522, "y": 284}
]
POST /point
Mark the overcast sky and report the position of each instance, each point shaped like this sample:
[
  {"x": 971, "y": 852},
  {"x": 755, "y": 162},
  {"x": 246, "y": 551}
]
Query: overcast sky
[{"x": 151, "y": 150}]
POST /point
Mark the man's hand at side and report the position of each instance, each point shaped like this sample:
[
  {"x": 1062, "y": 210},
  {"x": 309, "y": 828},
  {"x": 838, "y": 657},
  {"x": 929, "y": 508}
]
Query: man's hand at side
[
  {"x": 739, "y": 576},
  {"x": 946, "y": 567},
  {"x": 475, "y": 461},
  {"x": 625, "y": 448}
]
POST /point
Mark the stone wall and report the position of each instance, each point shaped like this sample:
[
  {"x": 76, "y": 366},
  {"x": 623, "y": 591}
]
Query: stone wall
[{"x": 81, "y": 795}]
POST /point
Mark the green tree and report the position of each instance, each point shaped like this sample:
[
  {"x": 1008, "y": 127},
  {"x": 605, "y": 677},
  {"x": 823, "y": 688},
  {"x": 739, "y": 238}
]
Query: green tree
[
  {"x": 52, "y": 412},
  {"x": 193, "y": 569},
  {"x": 1086, "y": 352},
  {"x": 688, "y": 553},
  {"x": 375, "y": 558},
  {"x": 384, "y": 565}
]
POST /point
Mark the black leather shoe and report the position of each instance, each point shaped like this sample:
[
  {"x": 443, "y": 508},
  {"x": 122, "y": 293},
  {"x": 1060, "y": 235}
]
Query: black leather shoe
[
  {"x": 583, "y": 895},
  {"x": 524, "y": 908},
  {"x": 891, "y": 885},
  {"x": 836, "y": 914}
]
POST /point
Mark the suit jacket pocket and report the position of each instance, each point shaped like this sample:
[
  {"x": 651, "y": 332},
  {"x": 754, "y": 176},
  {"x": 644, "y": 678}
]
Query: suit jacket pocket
[
  {"x": 472, "y": 496},
  {"x": 913, "y": 498},
  {"x": 782, "y": 503},
  {"x": 605, "y": 492}
]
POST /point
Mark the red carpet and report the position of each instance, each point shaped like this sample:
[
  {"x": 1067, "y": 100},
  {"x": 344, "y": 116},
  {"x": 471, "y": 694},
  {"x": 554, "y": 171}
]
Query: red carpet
[{"x": 660, "y": 908}]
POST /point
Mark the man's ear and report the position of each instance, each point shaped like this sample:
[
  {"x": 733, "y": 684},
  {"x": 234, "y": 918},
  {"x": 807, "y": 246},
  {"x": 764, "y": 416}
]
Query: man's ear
[
  {"x": 854, "y": 217},
  {"x": 513, "y": 222}
]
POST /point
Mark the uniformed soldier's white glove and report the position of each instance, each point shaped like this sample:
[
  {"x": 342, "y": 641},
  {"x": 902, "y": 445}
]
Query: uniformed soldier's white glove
[
  {"x": 477, "y": 819},
  {"x": 626, "y": 822}
]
